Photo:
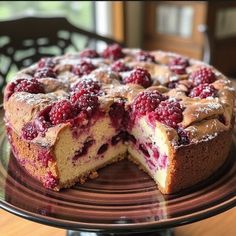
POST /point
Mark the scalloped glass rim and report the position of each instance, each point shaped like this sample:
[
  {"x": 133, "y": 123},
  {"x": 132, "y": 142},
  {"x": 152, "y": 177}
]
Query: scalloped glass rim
[{"x": 119, "y": 228}]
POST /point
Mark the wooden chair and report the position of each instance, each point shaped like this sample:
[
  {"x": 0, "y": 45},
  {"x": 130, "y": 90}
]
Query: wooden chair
[{"x": 24, "y": 41}]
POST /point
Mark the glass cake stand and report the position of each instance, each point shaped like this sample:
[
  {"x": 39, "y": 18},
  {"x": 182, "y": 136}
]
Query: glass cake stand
[{"x": 122, "y": 200}]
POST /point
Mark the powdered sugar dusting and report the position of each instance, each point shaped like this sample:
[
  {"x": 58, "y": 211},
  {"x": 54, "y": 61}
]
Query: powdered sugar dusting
[
  {"x": 208, "y": 137},
  {"x": 112, "y": 85},
  {"x": 208, "y": 108},
  {"x": 36, "y": 99}
]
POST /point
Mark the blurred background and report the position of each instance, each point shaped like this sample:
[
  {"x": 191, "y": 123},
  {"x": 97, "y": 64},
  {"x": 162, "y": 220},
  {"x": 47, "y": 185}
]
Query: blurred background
[{"x": 199, "y": 29}]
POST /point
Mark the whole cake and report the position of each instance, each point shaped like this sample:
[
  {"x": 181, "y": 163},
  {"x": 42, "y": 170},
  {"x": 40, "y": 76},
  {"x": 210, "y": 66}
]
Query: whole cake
[{"x": 68, "y": 116}]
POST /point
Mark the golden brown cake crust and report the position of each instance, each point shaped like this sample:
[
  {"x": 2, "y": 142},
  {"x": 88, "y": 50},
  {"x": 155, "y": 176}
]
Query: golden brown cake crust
[
  {"x": 28, "y": 155},
  {"x": 195, "y": 162},
  {"x": 208, "y": 121}
]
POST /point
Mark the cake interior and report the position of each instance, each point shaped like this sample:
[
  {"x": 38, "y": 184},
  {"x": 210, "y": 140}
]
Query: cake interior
[
  {"x": 87, "y": 151},
  {"x": 151, "y": 149},
  {"x": 83, "y": 151}
]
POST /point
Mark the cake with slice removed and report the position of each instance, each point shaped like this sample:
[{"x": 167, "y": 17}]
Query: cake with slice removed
[{"x": 68, "y": 116}]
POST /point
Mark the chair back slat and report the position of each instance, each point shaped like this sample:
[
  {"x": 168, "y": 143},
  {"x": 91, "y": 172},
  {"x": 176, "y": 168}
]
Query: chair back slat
[{"x": 47, "y": 36}]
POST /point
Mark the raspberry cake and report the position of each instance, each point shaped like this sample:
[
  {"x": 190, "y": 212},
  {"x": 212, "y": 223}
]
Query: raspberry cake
[{"x": 68, "y": 116}]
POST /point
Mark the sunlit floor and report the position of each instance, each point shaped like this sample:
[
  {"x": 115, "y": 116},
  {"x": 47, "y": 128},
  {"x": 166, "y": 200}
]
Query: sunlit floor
[{"x": 220, "y": 225}]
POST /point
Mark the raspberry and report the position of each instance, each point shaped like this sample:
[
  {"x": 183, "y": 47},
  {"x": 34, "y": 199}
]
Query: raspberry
[
  {"x": 75, "y": 96},
  {"x": 45, "y": 113},
  {"x": 44, "y": 72},
  {"x": 203, "y": 91},
  {"x": 169, "y": 113},
  {"x": 179, "y": 70},
  {"x": 44, "y": 156},
  {"x": 103, "y": 149},
  {"x": 202, "y": 76},
  {"x": 46, "y": 62},
  {"x": 145, "y": 56},
  {"x": 179, "y": 61},
  {"x": 178, "y": 65},
  {"x": 144, "y": 150},
  {"x": 113, "y": 52},
  {"x": 119, "y": 66},
  {"x": 172, "y": 84},
  {"x": 146, "y": 102},
  {"x": 84, "y": 68},
  {"x": 83, "y": 151},
  {"x": 121, "y": 136},
  {"x": 88, "y": 103},
  {"x": 85, "y": 102},
  {"x": 42, "y": 124},
  {"x": 50, "y": 181},
  {"x": 117, "y": 113},
  {"x": 183, "y": 137},
  {"x": 10, "y": 89},
  {"x": 61, "y": 112},
  {"x": 30, "y": 86},
  {"x": 87, "y": 84},
  {"x": 29, "y": 131},
  {"x": 139, "y": 76},
  {"x": 89, "y": 53}
]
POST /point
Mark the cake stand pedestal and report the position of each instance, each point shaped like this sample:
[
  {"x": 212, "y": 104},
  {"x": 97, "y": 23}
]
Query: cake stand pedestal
[{"x": 166, "y": 232}]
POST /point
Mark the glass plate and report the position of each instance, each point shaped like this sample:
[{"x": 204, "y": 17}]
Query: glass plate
[{"x": 121, "y": 199}]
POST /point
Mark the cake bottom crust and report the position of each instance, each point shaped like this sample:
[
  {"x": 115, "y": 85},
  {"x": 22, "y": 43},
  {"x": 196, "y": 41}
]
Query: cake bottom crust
[{"x": 187, "y": 166}]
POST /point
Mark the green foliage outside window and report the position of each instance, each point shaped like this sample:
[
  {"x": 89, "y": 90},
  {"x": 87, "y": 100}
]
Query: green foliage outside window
[{"x": 80, "y": 13}]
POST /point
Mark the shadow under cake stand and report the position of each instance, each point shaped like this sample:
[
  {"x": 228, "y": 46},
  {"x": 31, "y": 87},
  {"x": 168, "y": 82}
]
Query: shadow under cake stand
[{"x": 122, "y": 200}]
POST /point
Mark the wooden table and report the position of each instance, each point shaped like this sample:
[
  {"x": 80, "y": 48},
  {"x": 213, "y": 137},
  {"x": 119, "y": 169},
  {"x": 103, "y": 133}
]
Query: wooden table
[{"x": 221, "y": 225}]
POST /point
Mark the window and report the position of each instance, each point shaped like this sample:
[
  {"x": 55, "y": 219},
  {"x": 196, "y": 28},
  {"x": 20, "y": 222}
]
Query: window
[
  {"x": 175, "y": 20},
  {"x": 88, "y": 15},
  {"x": 80, "y": 13}
]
